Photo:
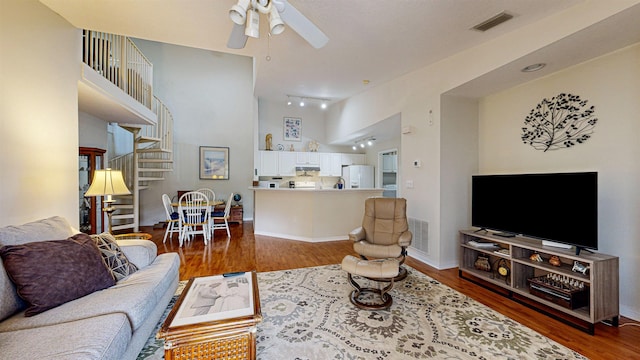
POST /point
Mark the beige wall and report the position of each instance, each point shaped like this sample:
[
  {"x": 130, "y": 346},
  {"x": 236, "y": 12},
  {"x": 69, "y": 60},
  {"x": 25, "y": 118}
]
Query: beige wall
[
  {"x": 611, "y": 84},
  {"x": 39, "y": 71}
]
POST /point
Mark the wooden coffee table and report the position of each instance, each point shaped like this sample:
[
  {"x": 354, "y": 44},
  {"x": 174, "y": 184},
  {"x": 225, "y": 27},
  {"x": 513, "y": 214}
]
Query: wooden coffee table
[{"x": 215, "y": 317}]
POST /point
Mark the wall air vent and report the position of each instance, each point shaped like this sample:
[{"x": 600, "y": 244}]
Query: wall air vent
[{"x": 492, "y": 22}]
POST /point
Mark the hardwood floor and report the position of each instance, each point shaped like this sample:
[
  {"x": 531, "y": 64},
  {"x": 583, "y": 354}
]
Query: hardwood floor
[{"x": 244, "y": 252}]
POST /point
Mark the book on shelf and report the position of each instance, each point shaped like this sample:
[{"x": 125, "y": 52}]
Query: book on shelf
[
  {"x": 482, "y": 245},
  {"x": 503, "y": 252}
]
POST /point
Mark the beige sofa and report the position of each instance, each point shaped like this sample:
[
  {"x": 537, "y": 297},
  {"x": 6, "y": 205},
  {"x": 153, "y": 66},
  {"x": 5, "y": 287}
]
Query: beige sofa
[{"x": 113, "y": 323}]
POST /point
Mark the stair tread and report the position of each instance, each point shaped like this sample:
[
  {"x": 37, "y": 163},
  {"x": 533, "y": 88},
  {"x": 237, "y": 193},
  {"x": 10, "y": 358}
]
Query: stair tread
[
  {"x": 153, "y": 169},
  {"x": 154, "y": 150},
  {"x": 147, "y": 139},
  {"x": 123, "y": 226},
  {"x": 122, "y": 216},
  {"x": 155, "y": 160}
]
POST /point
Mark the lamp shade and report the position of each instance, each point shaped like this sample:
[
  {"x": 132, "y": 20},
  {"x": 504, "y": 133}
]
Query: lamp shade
[{"x": 107, "y": 182}]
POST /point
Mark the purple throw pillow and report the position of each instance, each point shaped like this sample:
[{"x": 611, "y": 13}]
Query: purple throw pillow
[{"x": 50, "y": 273}]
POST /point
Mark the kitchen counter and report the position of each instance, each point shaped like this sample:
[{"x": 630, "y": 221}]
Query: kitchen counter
[{"x": 309, "y": 214}]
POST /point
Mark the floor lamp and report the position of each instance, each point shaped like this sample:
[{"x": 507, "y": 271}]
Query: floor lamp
[{"x": 107, "y": 183}]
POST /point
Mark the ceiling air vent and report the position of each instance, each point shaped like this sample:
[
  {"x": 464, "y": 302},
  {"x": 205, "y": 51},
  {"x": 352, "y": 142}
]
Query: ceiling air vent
[{"x": 492, "y": 22}]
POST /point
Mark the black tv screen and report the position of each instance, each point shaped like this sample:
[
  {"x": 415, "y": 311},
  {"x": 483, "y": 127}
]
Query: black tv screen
[{"x": 559, "y": 207}]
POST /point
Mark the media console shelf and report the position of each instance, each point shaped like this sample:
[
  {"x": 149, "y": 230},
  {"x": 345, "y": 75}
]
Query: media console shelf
[{"x": 565, "y": 294}]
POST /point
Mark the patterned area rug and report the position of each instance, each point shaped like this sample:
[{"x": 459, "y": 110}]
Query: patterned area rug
[{"x": 307, "y": 315}]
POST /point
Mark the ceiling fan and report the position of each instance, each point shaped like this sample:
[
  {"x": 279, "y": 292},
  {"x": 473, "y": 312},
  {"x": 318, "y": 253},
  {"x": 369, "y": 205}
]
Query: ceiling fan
[{"x": 245, "y": 15}]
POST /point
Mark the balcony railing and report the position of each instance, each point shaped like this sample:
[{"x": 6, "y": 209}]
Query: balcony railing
[{"x": 120, "y": 61}]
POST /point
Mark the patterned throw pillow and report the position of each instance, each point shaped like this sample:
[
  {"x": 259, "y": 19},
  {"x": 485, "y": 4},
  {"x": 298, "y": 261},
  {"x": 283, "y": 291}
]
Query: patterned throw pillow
[
  {"x": 115, "y": 260},
  {"x": 51, "y": 273}
]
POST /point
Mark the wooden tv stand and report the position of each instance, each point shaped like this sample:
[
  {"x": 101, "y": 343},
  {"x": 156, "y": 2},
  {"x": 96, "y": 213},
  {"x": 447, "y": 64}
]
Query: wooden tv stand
[{"x": 599, "y": 288}]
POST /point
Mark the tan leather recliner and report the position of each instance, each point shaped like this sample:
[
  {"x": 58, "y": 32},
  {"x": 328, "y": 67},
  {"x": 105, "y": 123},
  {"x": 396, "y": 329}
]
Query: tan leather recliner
[{"x": 384, "y": 232}]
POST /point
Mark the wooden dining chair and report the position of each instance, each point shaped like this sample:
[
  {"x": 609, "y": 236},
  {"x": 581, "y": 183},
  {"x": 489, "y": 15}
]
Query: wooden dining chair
[
  {"x": 220, "y": 220},
  {"x": 193, "y": 208},
  {"x": 211, "y": 195},
  {"x": 172, "y": 218}
]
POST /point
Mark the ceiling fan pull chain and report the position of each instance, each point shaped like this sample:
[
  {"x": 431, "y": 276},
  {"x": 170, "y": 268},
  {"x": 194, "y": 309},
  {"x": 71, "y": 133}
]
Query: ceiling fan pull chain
[{"x": 268, "y": 58}]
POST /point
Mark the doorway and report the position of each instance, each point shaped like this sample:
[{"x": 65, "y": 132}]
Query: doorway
[{"x": 388, "y": 172}]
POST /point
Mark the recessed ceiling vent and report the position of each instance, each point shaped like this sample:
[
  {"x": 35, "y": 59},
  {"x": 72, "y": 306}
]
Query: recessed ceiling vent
[{"x": 493, "y": 22}]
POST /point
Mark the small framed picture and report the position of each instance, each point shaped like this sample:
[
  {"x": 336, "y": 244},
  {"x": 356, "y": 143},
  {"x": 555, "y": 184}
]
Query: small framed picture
[
  {"x": 292, "y": 129},
  {"x": 214, "y": 163}
]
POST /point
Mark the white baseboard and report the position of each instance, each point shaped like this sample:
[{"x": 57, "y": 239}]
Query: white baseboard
[{"x": 630, "y": 312}]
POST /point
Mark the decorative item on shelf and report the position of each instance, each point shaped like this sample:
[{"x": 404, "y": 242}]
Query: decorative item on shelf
[
  {"x": 503, "y": 269},
  {"x": 580, "y": 267},
  {"x": 313, "y": 146},
  {"x": 237, "y": 198},
  {"x": 536, "y": 257},
  {"x": 280, "y": 147},
  {"x": 555, "y": 261},
  {"x": 268, "y": 141},
  {"x": 482, "y": 263},
  {"x": 291, "y": 148}
]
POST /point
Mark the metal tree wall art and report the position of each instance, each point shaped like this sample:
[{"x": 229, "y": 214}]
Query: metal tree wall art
[{"x": 561, "y": 122}]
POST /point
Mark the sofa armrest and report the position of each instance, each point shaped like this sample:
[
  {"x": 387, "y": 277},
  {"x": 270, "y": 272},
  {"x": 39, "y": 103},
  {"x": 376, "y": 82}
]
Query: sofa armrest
[
  {"x": 357, "y": 234},
  {"x": 140, "y": 252}
]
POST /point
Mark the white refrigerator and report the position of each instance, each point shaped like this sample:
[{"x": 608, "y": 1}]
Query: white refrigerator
[{"x": 358, "y": 176}]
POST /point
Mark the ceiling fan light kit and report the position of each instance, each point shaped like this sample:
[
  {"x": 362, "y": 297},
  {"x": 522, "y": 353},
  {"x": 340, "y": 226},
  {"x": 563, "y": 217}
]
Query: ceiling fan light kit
[
  {"x": 252, "y": 28},
  {"x": 279, "y": 13},
  {"x": 238, "y": 12}
]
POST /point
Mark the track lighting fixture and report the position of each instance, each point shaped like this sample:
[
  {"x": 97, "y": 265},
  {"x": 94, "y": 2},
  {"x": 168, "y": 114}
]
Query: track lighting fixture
[
  {"x": 361, "y": 143},
  {"x": 303, "y": 100}
]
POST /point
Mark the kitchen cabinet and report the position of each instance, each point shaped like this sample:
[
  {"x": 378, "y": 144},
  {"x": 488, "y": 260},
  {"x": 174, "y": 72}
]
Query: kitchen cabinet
[
  {"x": 287, "y": 163},
  {"x": 90, "y": 159},
  {"x": 307, "y": 158},
  {"x": 330, "y": 164},
  {"x": 268, "y": 163},
  {"x": 277, "y": 163}
]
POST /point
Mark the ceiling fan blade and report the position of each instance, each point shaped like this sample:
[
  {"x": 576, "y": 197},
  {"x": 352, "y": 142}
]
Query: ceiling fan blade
[
  {"x": 301, "y": 24},
  {"x": 237, "y": 39}
]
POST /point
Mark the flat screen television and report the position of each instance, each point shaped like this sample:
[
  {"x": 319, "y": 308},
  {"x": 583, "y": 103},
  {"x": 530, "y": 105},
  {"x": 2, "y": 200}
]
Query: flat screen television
[{"x": 558, "y": 207}]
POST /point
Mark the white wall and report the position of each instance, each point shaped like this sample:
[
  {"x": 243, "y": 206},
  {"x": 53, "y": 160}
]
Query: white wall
[
  {"x": 611, "y": 84},
  {"x": 210, "y": 96},
  {"x": 271, "y": 115},
  {"x": 92, "y": 131},
  {"x": 38, "y": 114}
]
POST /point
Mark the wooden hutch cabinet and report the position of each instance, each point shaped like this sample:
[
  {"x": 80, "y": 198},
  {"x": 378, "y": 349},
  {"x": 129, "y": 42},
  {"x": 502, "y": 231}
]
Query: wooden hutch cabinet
[{"x": 91, "y": 219}]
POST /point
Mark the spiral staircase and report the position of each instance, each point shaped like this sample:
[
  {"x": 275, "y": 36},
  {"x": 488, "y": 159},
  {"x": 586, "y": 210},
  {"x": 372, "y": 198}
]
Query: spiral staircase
[{"x": 117, "y": 84}]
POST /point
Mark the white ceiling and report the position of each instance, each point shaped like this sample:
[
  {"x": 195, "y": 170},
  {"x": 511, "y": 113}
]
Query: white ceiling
[{"x": 375, "y": 40}]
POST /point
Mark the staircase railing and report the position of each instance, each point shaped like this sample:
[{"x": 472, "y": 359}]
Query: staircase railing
[{"x": 120, "y": 61}]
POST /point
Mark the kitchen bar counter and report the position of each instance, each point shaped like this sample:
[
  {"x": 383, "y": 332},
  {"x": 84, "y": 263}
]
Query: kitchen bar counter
[{"x": 309, "y": 214}]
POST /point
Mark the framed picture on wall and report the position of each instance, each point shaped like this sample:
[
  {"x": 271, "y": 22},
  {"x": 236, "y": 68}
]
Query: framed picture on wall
[
  {"x": 214, "y": 163},
  {"x": 292, "y": 129}
]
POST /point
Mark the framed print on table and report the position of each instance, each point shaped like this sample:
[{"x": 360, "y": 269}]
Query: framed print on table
[
  {"x": 214, "y": 163},
  {"x": 292, "y": 129}
]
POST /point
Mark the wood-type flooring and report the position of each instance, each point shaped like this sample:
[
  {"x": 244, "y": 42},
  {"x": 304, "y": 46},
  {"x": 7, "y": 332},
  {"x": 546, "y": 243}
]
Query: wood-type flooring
[{"x": 245, "y": 252}]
